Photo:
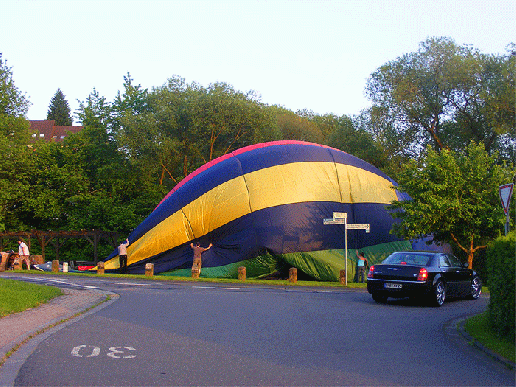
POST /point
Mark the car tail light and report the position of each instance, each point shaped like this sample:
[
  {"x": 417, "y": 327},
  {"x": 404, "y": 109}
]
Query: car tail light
[
  {"x": 370, "y": 273},
  {"x": 423, "y": 274}
]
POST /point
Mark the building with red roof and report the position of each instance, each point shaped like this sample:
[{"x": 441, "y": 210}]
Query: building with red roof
[{"x": 47, "y": 130}]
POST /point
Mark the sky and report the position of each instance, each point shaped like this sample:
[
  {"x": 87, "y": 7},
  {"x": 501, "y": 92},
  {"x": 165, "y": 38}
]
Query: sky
[{"x": 299, "y": 54}]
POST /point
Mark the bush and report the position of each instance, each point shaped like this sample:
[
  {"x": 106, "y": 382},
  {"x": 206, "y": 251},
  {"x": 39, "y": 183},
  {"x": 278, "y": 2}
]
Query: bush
[{"x": 501, "y": 277}]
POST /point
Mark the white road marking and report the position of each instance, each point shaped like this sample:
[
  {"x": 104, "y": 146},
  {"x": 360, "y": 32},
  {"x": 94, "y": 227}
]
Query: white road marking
[
  {"x": 66, "y": 283},
  {"x": 94, "y": 351}
]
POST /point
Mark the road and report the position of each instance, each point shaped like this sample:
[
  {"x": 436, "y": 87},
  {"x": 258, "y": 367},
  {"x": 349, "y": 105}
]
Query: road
[{"x": 168, "y": 334}]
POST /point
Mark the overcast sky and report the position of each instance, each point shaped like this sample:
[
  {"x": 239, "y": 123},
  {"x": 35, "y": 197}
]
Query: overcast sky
[{"x": 305, "y": 54}]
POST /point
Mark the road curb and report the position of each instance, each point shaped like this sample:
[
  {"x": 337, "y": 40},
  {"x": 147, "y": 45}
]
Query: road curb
[{"x": 459, "y": 324}]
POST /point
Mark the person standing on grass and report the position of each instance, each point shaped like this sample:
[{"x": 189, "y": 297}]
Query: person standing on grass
[{"x": 23, "y": 252}]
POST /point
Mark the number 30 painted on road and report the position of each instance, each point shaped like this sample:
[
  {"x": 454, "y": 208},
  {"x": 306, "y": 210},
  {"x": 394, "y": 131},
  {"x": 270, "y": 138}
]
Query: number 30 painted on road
[{"x": 115, "y": 352}]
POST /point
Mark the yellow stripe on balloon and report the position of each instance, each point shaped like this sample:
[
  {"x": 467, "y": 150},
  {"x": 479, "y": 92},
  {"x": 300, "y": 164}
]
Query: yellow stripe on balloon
[
  {"x": 360, "y": 186},
  {"x": 217, "y": 207},
  {"x": 293, "y": 183}
]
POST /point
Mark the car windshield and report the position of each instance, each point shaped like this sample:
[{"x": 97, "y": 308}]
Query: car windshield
[{"x": 408, "y": 259}]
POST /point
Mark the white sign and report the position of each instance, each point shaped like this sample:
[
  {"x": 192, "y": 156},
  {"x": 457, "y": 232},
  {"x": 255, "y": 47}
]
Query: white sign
[
  {"x": 334, "y": 221},
  {"x": 340, "y": 215},
  {"x": 358, "y": 226},
  {"x": 505, "y": 196}
]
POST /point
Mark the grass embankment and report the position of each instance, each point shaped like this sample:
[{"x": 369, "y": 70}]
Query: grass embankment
[
  {"x": 17, "y": 296},
  {"x": 478, "y": 328},
  {"x": 248, "y": 281}
]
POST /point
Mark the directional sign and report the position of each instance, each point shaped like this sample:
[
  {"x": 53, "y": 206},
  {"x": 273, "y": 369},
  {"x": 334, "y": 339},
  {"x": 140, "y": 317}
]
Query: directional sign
[
  {"x": 340, "y": 215},
  {"x": 334, "y": 221},
  {"x": 349, "y": 226},
  {"x": 358, "y": 226}
]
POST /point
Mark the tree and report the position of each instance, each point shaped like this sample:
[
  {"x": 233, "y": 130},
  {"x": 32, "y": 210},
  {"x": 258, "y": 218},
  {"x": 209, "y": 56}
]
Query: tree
[
  {"x": 295, "y": 126},
  {"x": 227, "y": 119},
  {"x": 12, "y": 101},
  {"x": 447, "y": 95},
  {"x": 186, "y": 125},
  {"x": 14, "y": 159},
  {"x": 350, "y": 138},
  {"x": 59, "y": 110},
  {"x": 56, "y": 176},
  {"x": 391, "y": 147},
  {"x": 454, "y": 198},
  {"x": 119, "y": 195},
  {"x": 150, "y": 138}
]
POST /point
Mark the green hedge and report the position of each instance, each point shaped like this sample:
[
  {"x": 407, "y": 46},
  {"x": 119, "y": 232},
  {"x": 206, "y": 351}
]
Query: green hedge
[{"x": 501, "y": 255}]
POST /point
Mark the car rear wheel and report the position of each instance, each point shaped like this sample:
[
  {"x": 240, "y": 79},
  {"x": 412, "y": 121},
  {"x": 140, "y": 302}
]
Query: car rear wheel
[
  {"x": 476, "y": 288},
  {"x": 379, "y": 297},
  {"x": 439, "y": 293}
]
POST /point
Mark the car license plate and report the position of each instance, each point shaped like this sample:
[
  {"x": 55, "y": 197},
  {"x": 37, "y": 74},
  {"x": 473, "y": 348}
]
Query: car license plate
[{"x": 392, "y": 286}]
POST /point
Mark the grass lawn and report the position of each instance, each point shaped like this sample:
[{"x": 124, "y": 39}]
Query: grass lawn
[
  {"x": 478, "y": 327},
  {"x": 17, "y": 296}
]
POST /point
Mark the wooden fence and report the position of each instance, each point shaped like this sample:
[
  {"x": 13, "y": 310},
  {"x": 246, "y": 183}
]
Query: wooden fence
[{"x": 58, "y": 238}]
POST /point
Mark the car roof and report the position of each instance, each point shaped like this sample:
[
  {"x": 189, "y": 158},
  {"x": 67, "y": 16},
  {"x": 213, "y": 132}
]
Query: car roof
[{"x": 419, "y": 252}]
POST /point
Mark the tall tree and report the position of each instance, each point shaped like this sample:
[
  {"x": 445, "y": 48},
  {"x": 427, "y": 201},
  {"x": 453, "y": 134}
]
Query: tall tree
[
  {"x": 292, "y": 126},
  {"x": 447, "y": 95},
  {"x": 119, "y": 195},
  {"x": 57, "y": 175},
  {"x": 350, "y": 138},
  {"x": 394, "y": 149},
  {"x": 12, "y": 101},
  {"x": 187, "y": 125},
  {"x": 454, "y": 197},
  {"x": 59, "y": 110},
  {"x": 14, "y": 159}
]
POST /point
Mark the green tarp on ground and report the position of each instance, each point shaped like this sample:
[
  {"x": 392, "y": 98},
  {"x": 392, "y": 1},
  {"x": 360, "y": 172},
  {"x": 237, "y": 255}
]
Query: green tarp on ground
[{"x": 320, "y": 265}]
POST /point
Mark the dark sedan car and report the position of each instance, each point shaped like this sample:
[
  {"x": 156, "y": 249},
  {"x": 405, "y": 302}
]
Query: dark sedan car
[{"x": 424, "y": 274}]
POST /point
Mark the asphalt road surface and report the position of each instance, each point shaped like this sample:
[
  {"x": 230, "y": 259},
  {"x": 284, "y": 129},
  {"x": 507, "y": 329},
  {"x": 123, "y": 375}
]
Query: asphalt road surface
[{"x": 169, "y": 334}]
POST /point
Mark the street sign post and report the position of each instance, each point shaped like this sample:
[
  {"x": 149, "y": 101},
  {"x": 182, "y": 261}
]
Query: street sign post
[
  {"x": 505, "y": 198},
  {"x": 342, "y": 218}
]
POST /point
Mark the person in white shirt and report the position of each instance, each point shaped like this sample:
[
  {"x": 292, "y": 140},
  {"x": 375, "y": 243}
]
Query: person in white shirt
[
  {"x": 122, "y": 252},
  {"x": 23, "y": 252}
]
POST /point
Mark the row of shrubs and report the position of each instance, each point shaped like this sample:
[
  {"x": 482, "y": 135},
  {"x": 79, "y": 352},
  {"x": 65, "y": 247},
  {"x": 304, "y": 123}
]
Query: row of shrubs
[{"x": 501, "y": 256}]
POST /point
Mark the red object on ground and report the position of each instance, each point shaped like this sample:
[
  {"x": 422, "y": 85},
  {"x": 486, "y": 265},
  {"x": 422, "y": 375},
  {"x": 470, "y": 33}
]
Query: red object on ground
[{"x": 84, "y": 268}]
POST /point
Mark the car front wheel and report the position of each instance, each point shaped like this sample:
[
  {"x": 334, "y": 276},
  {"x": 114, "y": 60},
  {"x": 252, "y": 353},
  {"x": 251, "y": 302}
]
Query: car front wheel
[
  {"x": 476, "y": 288},
  {"x": 439, "y": 293}
]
